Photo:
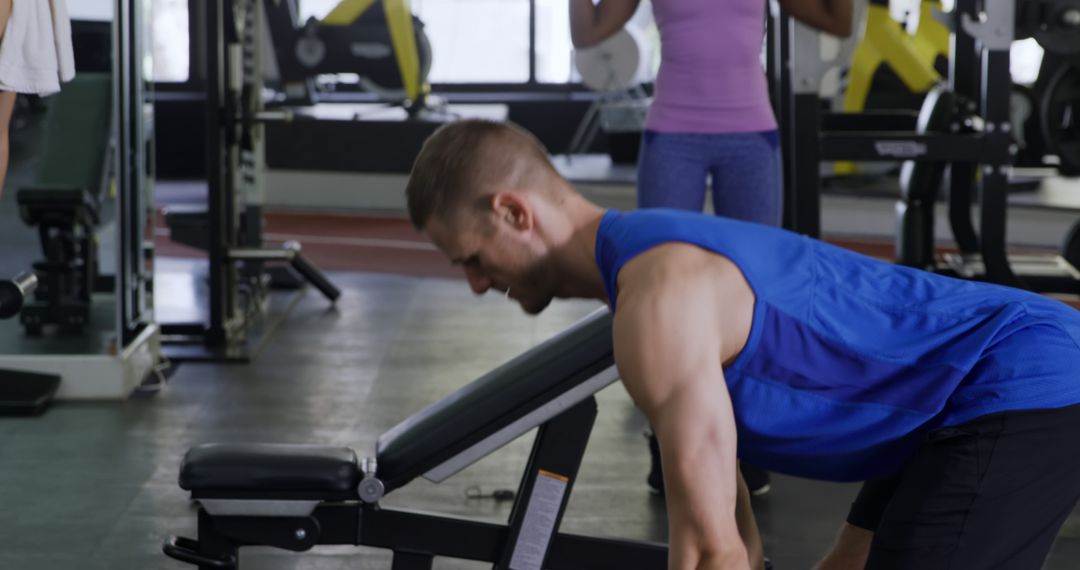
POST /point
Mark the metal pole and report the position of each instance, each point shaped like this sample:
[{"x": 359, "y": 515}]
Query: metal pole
[{"x": 218, "y": 208}]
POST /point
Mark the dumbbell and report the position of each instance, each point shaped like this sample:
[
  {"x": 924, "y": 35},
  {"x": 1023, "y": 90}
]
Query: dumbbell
[{"x": 13, "y": 293}]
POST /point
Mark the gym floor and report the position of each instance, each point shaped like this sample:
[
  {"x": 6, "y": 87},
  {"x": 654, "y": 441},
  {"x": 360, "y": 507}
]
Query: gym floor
[{"x": 93, "y": 485}]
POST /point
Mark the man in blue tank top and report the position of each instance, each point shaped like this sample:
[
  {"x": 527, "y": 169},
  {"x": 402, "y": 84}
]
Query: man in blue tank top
[{"x": 956, "y": 401}]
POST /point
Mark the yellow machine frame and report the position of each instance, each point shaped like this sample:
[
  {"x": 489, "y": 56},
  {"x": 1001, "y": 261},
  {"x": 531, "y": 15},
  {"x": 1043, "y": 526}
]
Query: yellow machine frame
[
  {"x": 402, "y": 35},
  {"x": 887, "y": 42}
]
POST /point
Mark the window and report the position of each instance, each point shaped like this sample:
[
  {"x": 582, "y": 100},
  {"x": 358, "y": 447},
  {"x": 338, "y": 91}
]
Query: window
[
  {"x": 170, "y": 40},
  {"x": 95, "y": 10},
  {"x": 487, "y": 41},
  {"x": 554, "y": 50},
  {"x": 316, "y": 8},
  {"x": 477, "y": 41}
]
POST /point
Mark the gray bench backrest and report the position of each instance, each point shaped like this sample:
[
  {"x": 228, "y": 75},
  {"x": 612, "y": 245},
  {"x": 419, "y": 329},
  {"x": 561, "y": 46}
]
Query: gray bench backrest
[
  {"x": 77, "y": 127},
  {"x": 504, "y": 403}
]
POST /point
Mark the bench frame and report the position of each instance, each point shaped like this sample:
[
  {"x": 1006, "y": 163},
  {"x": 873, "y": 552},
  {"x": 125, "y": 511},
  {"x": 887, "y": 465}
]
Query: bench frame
[{"x": 526, "y": 542}]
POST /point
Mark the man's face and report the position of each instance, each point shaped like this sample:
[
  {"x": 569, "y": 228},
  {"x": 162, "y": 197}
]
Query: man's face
[{"x": 498, "y": 254}]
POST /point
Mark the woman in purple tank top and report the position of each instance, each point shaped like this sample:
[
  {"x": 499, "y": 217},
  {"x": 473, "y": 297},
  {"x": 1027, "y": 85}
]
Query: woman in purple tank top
[{"x": 711, "y": 115}]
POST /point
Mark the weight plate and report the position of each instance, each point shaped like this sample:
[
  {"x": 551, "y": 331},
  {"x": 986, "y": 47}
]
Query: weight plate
[
  {"x": 1060, "y": 31},
  {"x": 310, "y": 51},
  {"x": 1059, "y": 117}
]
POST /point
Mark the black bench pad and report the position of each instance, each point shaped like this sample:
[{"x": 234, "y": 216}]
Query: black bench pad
[
  {"x": 270, "y": 471},
  {"x": 43, "y": 203},
  {"x": 495, "y": 400}
]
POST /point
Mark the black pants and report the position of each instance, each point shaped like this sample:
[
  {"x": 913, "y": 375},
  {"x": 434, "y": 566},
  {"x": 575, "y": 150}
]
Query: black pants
[{"x": 990, "y": 493}]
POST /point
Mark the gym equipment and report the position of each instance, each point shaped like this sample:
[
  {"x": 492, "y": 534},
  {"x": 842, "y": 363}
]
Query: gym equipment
[
  {"x": 920, "y": 182},
  {"x": 379, "y": 40},
  {"x": 1024, "y": 114},
  {"x": 25, "y": 393},
  {"x": 1053, "y": 23},
  {"x": 970, "y": 132},
  {"x": 1070, "y": 247},
  {"x": 95, "y": 163},
  {"x": 22, "y": 393},
  {"x": 1060, "y": 122},
  {"x": 13, "y": 293},
  {"x": 892, "y": 68},
  {"x": 64, "y": 202},
  {"x": 944, "y": 112},
  {"x": 229, "y": 227},
  {"x": 616, "y": 68},
  {"x": 295, "y": 497}
]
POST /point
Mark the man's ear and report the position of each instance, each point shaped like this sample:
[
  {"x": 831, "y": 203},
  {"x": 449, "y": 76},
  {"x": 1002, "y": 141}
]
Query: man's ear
[{"x": 514, "y": 209}]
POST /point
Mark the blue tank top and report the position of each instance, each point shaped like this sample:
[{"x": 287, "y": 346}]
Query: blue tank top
[{"x": 851, "y": 360}]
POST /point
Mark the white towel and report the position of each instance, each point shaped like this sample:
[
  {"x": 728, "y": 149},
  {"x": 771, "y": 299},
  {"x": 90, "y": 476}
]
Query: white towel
[{"x": 36, "y": 53}]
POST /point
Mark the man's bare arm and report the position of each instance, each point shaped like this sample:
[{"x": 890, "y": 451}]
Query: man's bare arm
[{"x": 667, "y": 346}]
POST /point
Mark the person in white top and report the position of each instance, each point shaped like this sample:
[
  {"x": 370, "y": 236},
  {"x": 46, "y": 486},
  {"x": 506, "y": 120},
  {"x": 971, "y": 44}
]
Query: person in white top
[{"x": 36, "y": 56}]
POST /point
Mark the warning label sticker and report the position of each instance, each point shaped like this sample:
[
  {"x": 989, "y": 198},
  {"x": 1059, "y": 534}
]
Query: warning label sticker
[{"x": 539, "y": 524}]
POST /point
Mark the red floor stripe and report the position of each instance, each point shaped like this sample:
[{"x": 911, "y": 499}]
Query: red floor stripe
[{"x": 348, "y": 242}]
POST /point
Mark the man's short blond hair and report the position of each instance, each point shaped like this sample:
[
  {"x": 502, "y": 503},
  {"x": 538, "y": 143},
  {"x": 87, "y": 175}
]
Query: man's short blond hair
[{"x": 463, "y": 162}]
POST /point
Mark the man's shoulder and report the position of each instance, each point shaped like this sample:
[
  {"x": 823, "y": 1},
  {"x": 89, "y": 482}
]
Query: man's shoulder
[{"x": 674, "y": 267}]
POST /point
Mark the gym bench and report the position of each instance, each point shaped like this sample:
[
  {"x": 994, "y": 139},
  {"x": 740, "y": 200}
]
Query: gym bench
[{"x": 295, "y": 497}]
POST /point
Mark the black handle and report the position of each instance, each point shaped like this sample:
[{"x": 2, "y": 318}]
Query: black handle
[
  {"x": 187, "y": 550},
  {"x": 312, "y": 274},
  {"x": 13, "y": 293}
]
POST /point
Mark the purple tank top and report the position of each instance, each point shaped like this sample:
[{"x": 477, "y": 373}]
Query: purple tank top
[{"x": 711, "y": 79}]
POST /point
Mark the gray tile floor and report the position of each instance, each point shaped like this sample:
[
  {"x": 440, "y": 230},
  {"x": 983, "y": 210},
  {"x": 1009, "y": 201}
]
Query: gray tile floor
[{"x": 94, "y": 485}]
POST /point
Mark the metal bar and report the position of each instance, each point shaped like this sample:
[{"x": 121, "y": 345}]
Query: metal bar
[
  {"x": 222, "y": 156},
  {"x": 546, "y": 485},
  {"x": 993, "y": 197},
  {"x": 784, "y": 119},
  {"x": 963, "y": 60},
  {"x": 217, "y": 208},
  {"x": 532, "y": 41},
  {"x": 183, "y": 329},
  {"x": 14, "y": 293},
  {"x": 421, "y": 535},
  {"x": 772, "y": 73},
  {"x": 121, "y": 39},
  {"x": 436, "y": 535},
  {"x": 252, "y": 254},
  {"x": 212, "y": 545},
  {"x": 805, "y": 169},
  {"x": 870, "y": 121},
  {"x": 131, "y": 160},
  {"x": 963, "y": 80},
  {"x": 961, "y": 181},
  {"x": 904, "y": 146}
]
